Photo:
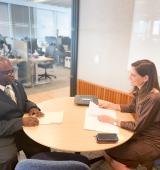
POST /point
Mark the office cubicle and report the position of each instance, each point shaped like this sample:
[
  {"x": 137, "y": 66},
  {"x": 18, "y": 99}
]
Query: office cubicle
[
  {"x": 21, "y": 54},
  {"x": 33, "y": 27}
]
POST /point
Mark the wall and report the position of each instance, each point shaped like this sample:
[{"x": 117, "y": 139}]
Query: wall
[
  {"x": 145, "y": 38},
  {"x": 104, "y": 39}
]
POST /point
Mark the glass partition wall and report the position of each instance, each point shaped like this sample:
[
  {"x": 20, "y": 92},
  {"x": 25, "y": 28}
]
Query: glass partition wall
[{"x": 37, "y": 39}]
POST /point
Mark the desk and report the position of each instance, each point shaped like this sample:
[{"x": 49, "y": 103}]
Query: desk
[
  {"x": 35, "y": 61},
  {"x": 70, "y": 134},
  {"x": 14, "y": 62}
]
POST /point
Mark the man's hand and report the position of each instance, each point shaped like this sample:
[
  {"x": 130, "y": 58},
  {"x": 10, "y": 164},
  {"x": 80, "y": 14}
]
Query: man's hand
[
  {"x": 35, "y": 112},
  {"x": 30, "y": 121}
]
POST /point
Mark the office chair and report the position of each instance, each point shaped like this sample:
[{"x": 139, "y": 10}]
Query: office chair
[
  {"x": 49, "y": 53},
  {"x": 46, "y": 65},
  {"x": 59, "y": 54},
  {"x": 61, "y": 156},
  {"x": 33, "y": 164},
  {"x": 157, "y": 163}
]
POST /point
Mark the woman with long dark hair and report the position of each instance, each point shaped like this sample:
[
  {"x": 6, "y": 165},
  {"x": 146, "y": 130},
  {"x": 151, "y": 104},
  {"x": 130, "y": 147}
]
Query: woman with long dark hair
[{"x": 144, "y": 147}]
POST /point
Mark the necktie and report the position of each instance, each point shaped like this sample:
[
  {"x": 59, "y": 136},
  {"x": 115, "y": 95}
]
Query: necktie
[{"x": 8, "y": 90}]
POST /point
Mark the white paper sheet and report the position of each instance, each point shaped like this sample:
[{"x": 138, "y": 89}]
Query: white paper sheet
[
  {"x": 51, "y": 117},
  {"x": 92, "y": 122}
]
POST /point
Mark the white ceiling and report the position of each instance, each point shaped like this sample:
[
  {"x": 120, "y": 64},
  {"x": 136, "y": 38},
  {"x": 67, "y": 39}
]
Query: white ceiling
[{"x": 62, "y": 3}]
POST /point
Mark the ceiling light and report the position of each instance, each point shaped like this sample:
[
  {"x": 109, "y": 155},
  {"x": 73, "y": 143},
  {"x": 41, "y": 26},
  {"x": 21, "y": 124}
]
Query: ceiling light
[{"x": 39, "y": 0}]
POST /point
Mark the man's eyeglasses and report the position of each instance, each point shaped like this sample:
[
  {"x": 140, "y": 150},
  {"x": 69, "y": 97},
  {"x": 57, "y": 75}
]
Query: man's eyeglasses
[{"x": 8, "y": 72}]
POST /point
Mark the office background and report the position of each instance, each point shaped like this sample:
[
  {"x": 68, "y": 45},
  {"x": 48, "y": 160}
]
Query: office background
[
  {"x": 29, "y": 30},
  {"x": 19, "y": 19}
]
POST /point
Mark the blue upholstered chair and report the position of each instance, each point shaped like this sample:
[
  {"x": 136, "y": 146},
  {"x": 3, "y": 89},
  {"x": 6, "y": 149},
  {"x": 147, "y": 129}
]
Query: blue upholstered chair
[
  {"x": 157, "y": 163},
  {"x": 33, "y": 164},
  {"x": 61, "y": 156}
]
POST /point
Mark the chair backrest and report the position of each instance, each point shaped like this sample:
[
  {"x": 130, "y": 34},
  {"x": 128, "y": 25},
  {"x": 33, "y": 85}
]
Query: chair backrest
[
  {"x": 50, "y": 50},
  {"x": 34, "y": 164},
  {"x": 157, "y": 162},
  {"x": 51, "y": 39}
]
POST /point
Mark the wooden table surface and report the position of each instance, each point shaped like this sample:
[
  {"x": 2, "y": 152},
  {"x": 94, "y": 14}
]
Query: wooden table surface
[{"x": 70, "y": 135}]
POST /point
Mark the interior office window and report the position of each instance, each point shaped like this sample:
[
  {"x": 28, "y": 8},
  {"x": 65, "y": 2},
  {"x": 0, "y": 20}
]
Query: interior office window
[
  {"x": 20, "y": 21},
  {"x": 4, "y": 19},
  {"x": 145, "y": 41},
  {"x": 64, "y": 23},
  {"x": 156, "y": 27},
  {"x": 45, "y": 24},
  {"x": 141, "y": 27}
]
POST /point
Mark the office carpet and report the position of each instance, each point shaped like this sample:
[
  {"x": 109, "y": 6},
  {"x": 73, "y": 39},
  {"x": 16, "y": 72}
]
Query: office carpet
[{"x": 62, "y": 80}]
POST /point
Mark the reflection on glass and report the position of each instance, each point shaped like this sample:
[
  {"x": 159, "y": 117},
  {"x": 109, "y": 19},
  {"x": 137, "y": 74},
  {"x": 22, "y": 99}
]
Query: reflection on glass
[
  {"x": 156, "y": 27},
  {"x": 145, "y": 38},
  {"x": 141, "y": 27}
]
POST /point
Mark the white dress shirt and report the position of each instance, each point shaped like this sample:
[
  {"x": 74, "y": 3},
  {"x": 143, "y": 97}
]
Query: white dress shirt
[{"x": 10, "y": 91}]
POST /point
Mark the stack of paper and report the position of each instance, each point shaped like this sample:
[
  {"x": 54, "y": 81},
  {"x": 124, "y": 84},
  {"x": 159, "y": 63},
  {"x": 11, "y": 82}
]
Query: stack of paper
[
  {"x": 92, "y": 122},
  {"x": 51, "y": 117}
]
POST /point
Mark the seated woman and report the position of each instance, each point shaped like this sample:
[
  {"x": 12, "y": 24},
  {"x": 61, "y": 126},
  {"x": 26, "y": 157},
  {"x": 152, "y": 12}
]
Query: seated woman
[{"x": 144, "y": 147}]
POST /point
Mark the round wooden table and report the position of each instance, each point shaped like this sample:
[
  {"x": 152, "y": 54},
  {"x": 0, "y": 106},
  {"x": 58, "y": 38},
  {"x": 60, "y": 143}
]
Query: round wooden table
[{"x": 70, "y": 135}]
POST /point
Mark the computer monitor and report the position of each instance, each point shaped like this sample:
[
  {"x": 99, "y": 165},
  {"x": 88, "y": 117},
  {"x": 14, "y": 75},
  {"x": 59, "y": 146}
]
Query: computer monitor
[
  {"x": 66, "y": 41},
  {"x": 51, "y": 40}
]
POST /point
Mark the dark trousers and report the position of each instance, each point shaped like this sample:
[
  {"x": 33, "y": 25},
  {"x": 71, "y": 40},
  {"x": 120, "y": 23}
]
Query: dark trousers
[
  {"x": 29, "y": 146},
  {"x": 9, "y": 165},
  {"x": 8, "y": 156},
  {"x": 23, "y": 142}
]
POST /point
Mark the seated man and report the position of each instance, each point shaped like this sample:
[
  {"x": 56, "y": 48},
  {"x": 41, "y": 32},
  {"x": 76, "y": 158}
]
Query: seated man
[{"x": 13, "y": 104}]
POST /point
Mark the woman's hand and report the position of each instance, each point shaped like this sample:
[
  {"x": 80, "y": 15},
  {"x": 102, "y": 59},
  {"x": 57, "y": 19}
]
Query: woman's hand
[
  {"x": 36, "y": 112},
  {"x": 104, "y": 105},
  {"x": 109, "y": 105},
  {"x": 106, "y": 119}
]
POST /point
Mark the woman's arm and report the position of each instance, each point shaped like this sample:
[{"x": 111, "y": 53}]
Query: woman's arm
[
  {"x": 149, "y": 113},
  {"x": 130, "y": 108},
  {"x": 108, "y": 119},
  {"x": 109, "y": 105}
]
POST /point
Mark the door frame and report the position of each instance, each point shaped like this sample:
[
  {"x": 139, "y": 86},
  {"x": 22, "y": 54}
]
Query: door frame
[{"x": 74, "y": 47}]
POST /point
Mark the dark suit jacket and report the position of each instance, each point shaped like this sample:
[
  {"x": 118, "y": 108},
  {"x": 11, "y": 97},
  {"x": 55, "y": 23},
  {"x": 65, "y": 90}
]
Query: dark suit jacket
[{"x": 11, "y": 114}]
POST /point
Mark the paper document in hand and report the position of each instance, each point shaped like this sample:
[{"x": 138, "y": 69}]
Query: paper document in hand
[
  {"x": 95, "y": 110},
  {"x": 51, "y": 117},
  {"x": 92, "y": 122}
]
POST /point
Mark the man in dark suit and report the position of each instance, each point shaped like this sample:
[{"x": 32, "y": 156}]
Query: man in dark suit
[{"x": 13, "y": 105}]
